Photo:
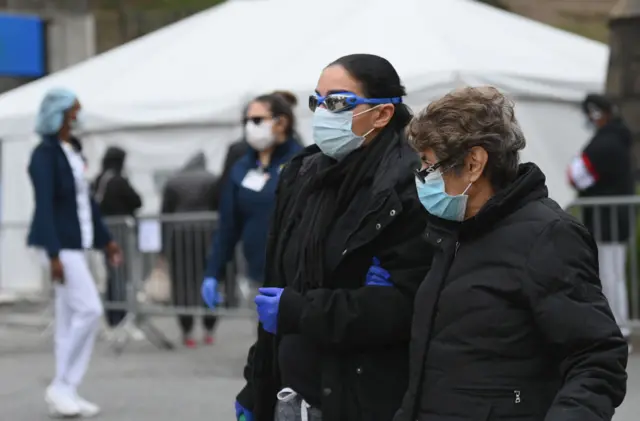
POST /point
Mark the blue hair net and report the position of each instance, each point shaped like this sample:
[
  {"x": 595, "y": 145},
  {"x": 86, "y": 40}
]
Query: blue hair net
[{"x": 51, "y": 114}]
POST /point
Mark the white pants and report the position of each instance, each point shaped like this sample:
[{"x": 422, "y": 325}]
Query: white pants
[
  {"x": 612, "y": 257},
  {"x": 78, "y": 310}
]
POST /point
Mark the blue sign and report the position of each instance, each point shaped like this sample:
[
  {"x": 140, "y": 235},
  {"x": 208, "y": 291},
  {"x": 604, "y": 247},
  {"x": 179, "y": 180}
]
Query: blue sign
[{"x": 22, "y": 46}]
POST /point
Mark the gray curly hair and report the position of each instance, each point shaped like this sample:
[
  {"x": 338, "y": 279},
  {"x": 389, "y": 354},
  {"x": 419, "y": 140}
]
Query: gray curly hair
[{"x": 469, "y": 117}]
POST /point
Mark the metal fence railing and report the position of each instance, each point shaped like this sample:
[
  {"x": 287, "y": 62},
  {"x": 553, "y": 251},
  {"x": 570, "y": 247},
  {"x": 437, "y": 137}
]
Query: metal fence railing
[
  {"x": 613, "y": 222},
  {"x": 163, "y": 267},
  {"x": 164, "y": 263}
]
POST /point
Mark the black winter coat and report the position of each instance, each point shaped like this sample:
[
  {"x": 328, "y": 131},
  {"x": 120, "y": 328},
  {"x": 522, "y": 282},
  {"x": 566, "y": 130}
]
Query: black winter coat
[
  {"x": 511, "y": 323},
  {"x": 112, "y": 190},
  {"x": 609, "y": 155},
  {"x": 361, "y": 333}
]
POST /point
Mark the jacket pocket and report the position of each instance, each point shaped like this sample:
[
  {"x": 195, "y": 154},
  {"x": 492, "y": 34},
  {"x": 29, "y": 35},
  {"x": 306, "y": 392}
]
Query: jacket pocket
[{"x": 508, "y": 403}]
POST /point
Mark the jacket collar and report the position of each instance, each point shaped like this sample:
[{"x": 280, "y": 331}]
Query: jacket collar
[
  {"x": 396, "y": 167},
  {"x": 529, "y": 186},
  {"x": 398, "y": 164}
]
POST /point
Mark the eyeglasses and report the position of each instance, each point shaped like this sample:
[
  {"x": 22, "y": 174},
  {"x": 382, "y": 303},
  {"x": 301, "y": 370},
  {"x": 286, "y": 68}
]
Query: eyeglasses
[
  {"x": 423, "y": 173},
  {"x": 344, "y": 101},
  {"x": 255, "y": 120}
]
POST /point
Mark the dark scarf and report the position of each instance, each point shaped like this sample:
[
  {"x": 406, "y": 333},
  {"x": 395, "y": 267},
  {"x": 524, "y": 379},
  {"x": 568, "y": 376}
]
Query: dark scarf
[{"x": 324, "y": 196}]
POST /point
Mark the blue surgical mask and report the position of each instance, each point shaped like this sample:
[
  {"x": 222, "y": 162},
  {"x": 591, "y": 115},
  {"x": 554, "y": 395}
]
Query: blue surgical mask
[
  {"x": 437, "y": 202},
  {"x": 333, "y": 135}
]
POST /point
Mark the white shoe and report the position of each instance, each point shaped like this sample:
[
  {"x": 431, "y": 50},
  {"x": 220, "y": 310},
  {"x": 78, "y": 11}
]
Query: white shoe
[
  {"x": 135, "y": 333},
  {"x": 87, "y": 409},
  {"x": 61, "y": 402}
]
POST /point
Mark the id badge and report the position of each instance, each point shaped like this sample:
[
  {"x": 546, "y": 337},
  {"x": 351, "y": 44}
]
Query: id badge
[{"x": 255, "y": 180}]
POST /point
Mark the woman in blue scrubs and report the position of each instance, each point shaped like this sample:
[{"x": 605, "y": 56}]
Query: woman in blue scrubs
[{"x": 248, "y": 196}]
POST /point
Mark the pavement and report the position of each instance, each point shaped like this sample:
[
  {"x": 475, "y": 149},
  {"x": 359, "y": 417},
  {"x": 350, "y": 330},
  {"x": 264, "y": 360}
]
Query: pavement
[
  {"x": 147, "y": 384},
  {"x": 141, "y": 384}
]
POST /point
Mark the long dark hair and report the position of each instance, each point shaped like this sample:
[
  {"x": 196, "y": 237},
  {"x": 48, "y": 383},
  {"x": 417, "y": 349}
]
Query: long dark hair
[
  {"x": 379, "y": 79},
  {"x": 332, "y": 185}
]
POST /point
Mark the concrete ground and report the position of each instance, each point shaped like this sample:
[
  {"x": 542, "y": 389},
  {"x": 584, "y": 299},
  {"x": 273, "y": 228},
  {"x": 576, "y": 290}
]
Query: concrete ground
[{"x": 147, "y": 384}]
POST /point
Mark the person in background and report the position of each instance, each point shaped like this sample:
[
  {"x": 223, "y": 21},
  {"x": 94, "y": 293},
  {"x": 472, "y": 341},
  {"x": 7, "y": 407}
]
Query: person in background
[
  {"x": 239, "y": 148},
  {"x": 116, "y": 198},
  {"x": 249, "y": 193},
  {"x": 192, "y": 189},
  {"x": 65, "y": 224},
  {"x": 344, "y": 259},
  {"x": 604, "y": 168},
  {"x": 510, "y": 323}
]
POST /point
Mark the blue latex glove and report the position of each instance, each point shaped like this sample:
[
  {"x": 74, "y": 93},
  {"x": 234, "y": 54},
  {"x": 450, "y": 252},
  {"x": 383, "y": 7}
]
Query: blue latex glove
[
  {"x": 377, "y": 275},
  {"x": 267, "y": 303},
  {"x": 209, "y": 292},
  {"x": 243, "y": 412}
]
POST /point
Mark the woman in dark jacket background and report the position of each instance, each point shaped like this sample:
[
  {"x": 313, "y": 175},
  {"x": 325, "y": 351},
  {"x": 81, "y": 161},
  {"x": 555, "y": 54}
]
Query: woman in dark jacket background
[
  {"x": 248, "y": 194},
  {"x": 334, "y": 333},
  {"x": 112, "y": 189},
  {"x": 510, "y": 323},
  {"x": 116, "y": 197},
  {"x": 239, "y": 148}
]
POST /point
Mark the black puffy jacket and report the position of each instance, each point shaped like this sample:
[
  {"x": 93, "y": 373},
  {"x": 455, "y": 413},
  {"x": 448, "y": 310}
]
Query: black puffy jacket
[
  {"x": 511, "y": 323},
  {"x": 361, "y": 333}
]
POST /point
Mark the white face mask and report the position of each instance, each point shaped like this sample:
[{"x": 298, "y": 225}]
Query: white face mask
[{"x": 260, "y": 136}]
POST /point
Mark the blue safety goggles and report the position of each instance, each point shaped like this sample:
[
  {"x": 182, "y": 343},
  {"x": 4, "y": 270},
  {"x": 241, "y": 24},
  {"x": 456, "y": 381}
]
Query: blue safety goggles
[{"x": 344, "y": 101}]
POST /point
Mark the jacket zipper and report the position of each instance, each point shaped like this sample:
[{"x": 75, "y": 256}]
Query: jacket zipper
[{"x": 495, "y": 393}]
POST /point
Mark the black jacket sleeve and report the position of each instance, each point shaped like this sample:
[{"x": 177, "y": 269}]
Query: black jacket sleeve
[
  {"x": 127, "y": 194},
  {"x": 169, "y": 200},
  {"x": 246, "y": 395},
  {"x": 345, "y": 319},
  {"x": 602, "y": 155},
  {"x": 570, "y": 310}
]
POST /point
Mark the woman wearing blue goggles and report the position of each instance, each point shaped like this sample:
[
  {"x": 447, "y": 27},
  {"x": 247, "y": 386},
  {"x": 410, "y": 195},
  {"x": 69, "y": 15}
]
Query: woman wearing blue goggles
[{"x": 344, "y": 259}]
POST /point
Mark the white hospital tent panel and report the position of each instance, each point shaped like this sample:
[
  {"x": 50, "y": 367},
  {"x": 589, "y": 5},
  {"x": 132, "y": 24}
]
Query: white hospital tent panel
[{"x": 181, "y": 89}]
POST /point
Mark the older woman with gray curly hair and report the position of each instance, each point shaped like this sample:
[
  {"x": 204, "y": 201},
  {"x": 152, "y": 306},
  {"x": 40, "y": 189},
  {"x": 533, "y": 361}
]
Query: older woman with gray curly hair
[{"x": 511, "y": 322}]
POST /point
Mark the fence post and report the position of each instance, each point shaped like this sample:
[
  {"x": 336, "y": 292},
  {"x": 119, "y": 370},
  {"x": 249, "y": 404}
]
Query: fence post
[{"x": 134, "y": 265}]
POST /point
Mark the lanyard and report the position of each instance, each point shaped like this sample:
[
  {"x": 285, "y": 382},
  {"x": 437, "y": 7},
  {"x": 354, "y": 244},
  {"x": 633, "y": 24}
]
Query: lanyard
[{"x": 260, "y": 167}]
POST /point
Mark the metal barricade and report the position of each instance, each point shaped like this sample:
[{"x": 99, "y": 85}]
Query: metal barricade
[
  {"x": 162, "y": 272},
  {"x": 163, "y": 266},
  {"x": 613, "y": 223}
]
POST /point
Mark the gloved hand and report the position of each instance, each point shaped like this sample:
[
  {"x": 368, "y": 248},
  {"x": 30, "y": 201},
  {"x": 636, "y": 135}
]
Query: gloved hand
[
  {"x": 209, "y": 292},
  {"x": 377, "y": 275},
  {"x": 267, "y": 303},
  {"x": 243, "y": 414}
]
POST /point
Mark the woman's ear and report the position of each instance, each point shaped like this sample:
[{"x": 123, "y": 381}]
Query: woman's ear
[
  {"x": 385, "y": 114},
  {"x": 475, "y": 162}
]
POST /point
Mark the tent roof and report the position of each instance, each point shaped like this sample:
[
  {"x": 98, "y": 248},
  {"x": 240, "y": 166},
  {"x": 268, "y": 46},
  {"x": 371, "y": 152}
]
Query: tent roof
[{"x": 206, "y": 66}]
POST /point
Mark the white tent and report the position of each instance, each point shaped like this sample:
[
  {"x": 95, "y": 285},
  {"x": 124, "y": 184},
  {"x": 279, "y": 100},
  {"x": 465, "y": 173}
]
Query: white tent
[{"x": 181, "y": 89}]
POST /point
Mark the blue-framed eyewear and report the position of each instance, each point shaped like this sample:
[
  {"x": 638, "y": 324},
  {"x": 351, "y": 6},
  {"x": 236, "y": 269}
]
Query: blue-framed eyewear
[{"x": 344, "y": 101}]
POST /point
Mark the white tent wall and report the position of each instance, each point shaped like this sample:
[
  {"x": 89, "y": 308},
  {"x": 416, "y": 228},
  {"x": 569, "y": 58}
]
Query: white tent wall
[
  {"x": 165, "y": 96},
  {"x": 20, "y": 271}
]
